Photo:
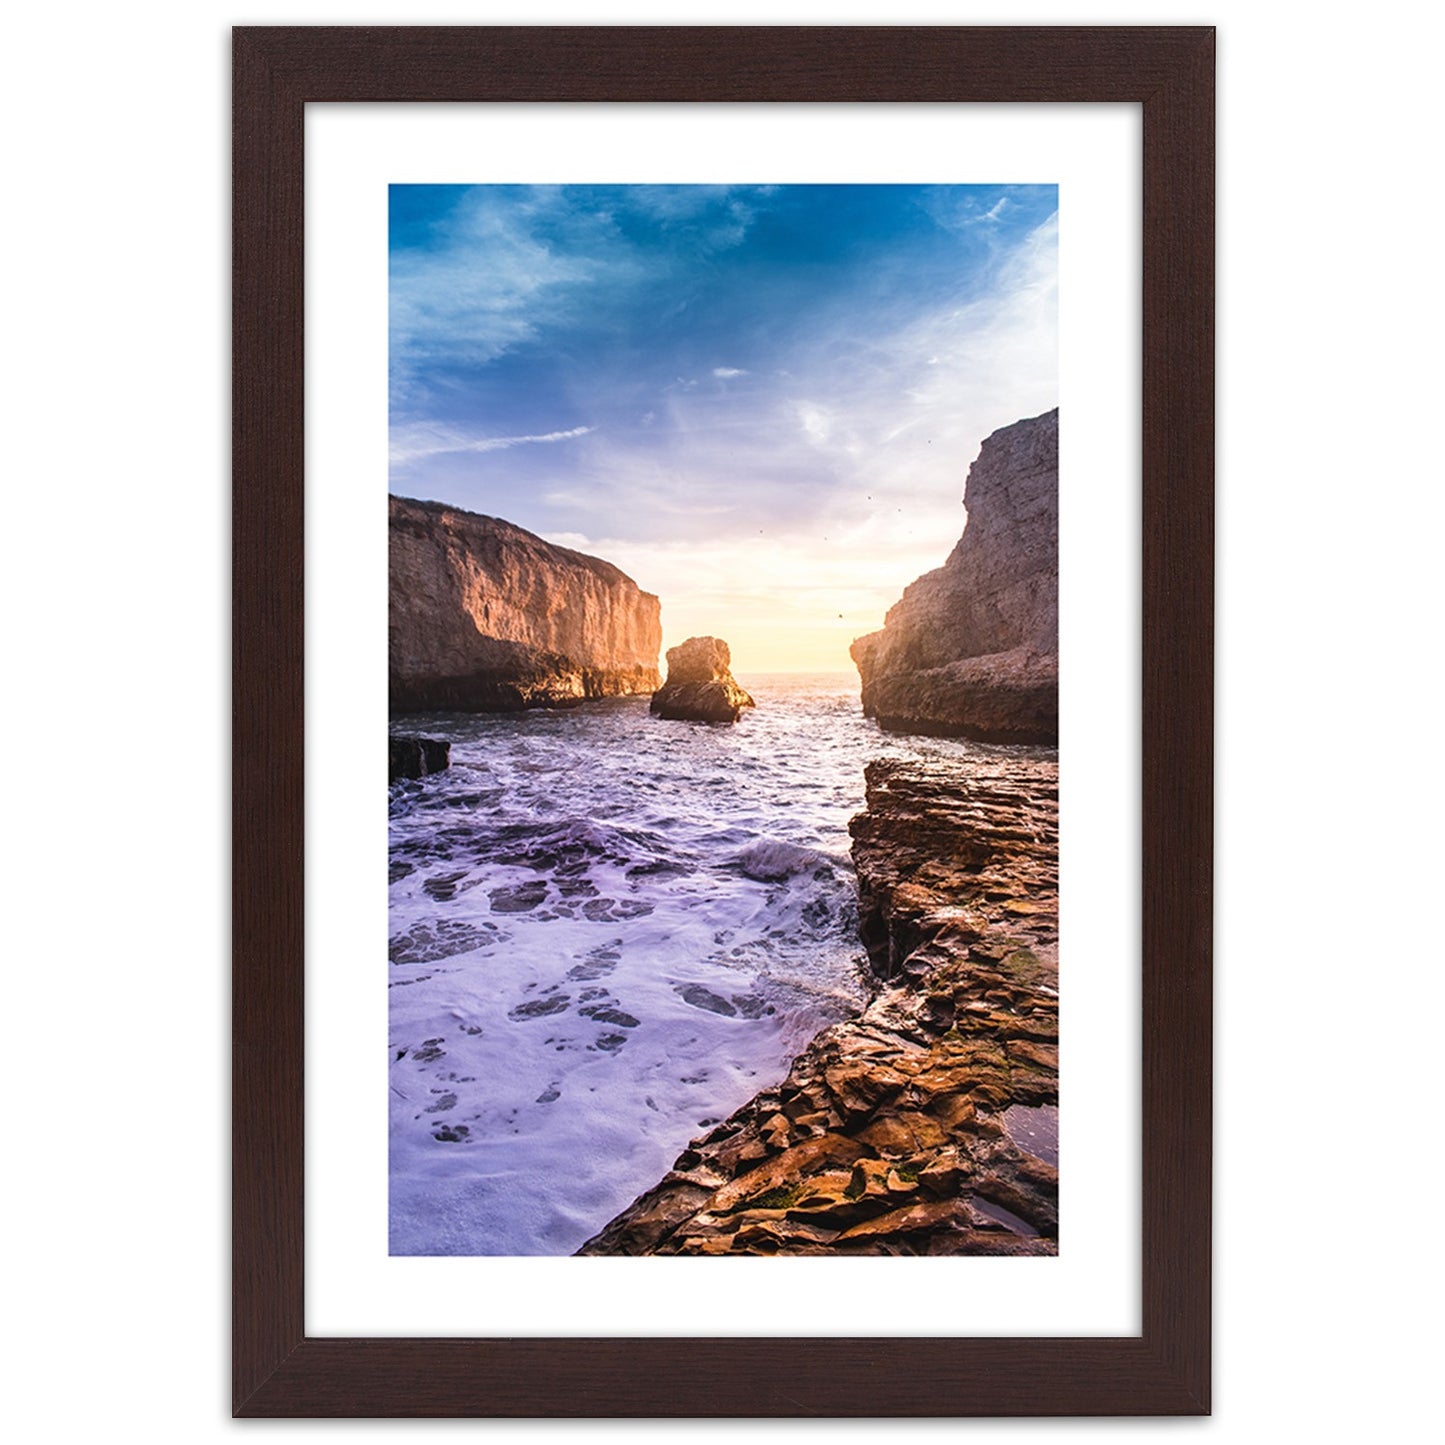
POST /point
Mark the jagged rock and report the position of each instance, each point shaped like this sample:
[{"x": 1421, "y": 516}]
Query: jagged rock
[
  {"x": 700, "y": 687},
  {"x": 486, "y": 617},
  {"x": 416, "y": 757},
  {"x": 891, "y": 1133},
  {"x": 972, "y": 649}
]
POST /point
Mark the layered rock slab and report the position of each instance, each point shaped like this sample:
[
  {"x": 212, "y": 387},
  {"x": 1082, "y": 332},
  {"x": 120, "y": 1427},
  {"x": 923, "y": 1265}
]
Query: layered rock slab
[
  {"x": 972, "y": 648},
  {"x": 913, "y": 1128},
  {"x": 487, "y": 617},
  {"x": 700, "y": 686}
]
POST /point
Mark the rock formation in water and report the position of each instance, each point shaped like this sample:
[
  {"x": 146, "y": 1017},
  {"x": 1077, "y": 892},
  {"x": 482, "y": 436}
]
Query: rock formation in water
[
  {"x": 972, "y": 649},
  {"x": 927, "y": 1125},
  {"x": 700, "y": 687},
  {"x": 488, "y": 618},
  {"x": 417, "y": 757}
]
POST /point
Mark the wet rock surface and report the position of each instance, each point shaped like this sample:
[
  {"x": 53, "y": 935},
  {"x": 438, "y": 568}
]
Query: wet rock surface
[
  {"x": 972, "y": 648},
  {"x": 416, "y": 757},
  {"x": 487, "y": 617},
  {"x": 919, "y": 1126},
  {"x": 700, "y": 686}
]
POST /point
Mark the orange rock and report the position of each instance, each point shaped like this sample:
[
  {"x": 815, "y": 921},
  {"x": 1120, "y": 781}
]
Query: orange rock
[
  {"x": 955, "y": 1110},
  {"x": 945, "y": 1173},
  {"x": 903, "y": 1134},
  {"x": 784, "y": 1169},
  {"x": 925, "y": 1215}
]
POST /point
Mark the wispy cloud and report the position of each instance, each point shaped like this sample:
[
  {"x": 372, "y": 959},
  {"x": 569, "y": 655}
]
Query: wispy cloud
[
  {"x": 487, "y": 283},
  {"x": 963, "y": 208},
  {"x": 728, "y": 372},
  {"x": 409, "y": 444},
  {"x": 716, "y": 218},
  {"x": 816, "y": 421},
  {"x": 508, "y": 265}
]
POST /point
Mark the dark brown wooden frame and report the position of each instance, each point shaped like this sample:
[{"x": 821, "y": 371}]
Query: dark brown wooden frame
[{"x": 278, "y": 1371}]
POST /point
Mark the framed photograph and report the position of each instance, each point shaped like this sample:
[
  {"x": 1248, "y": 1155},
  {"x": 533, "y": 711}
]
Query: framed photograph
[{"x": 781, "y": 862}]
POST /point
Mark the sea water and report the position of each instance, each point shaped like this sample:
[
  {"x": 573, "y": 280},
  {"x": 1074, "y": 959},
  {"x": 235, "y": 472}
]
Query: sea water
[{"x": 608, "y": 931}]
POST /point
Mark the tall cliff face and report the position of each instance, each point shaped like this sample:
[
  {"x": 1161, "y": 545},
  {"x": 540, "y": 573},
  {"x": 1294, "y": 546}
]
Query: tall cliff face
[
  {"x": 488, "y": 618},
  {"x": 972, "y": 649}
]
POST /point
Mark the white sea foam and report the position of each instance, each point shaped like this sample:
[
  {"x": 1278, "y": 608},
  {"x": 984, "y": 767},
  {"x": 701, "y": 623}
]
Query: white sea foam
[{"x": 608, "y": 932}]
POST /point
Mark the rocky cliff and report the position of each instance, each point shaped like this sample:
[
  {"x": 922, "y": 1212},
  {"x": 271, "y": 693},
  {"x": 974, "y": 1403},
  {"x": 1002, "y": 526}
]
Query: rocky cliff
[
  {"x": 700, "y": 686},
  {"x": 972, "y": 649},
  {"x": 928, "y": 1124},
  {"x": 488, "y": 618}
]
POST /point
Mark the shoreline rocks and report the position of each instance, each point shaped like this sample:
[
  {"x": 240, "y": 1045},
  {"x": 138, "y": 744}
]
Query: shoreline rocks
[
  {"x": 487, "y": 617},
  {"x": 700, "y": 686},
  {"x": 972, "y": 648},
  {"x": 921, "y": 1126},
  {"x": 417, "y": 757}
]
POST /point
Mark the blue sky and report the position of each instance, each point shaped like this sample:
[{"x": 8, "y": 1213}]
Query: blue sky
[{"x": 759, "y": 401}]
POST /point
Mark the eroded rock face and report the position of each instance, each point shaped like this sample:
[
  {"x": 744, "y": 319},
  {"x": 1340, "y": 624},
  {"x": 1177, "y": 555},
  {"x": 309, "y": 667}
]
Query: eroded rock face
[
  {"x": 972, "y": 649},
  {"x": 416, "y": 757},
  {"x": 486, "y": 617},
  {"x": 922, "y": 1126},
  {"x": 700, "y": 686}
]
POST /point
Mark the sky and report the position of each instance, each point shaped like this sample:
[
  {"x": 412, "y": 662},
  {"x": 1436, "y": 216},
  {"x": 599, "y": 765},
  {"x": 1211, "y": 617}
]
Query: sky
[{"x": 761, "y": 402}]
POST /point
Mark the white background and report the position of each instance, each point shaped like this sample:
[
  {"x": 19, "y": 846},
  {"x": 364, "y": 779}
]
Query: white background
[{"x": 1329, "y": 804}]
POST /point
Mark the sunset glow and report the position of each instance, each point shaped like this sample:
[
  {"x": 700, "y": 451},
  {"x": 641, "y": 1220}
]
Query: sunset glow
[{"x": 760, "y": 402}]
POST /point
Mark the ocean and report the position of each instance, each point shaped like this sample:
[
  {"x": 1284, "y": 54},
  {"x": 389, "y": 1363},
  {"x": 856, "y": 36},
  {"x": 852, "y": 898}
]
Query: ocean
[{"x": 607, "y": 933}]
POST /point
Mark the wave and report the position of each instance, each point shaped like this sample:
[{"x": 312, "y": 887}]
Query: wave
[
  {"x": 605, "y": 936},
  {"x": 771, "y": 860}
]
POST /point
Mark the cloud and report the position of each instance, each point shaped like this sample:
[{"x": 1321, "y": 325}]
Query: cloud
[
  {"x": 494, "y": 274},
  {"x": 864, "y": 436},
  {"x": 816, "y": 421},
  {"x": 409, "y": 444},
  {"x": 508, "y": 267},
  {"x": 824, "y": 486},
  {"x": 961, "y": 209},
  {"x": 713, "y": 218},
  {"x": 861, "y": 451}
]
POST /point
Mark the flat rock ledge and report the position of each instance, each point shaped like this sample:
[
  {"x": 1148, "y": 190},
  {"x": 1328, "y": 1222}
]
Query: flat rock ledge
[
  {"x": 924, "y": 1125},
  {"x": 700, "y": 686},
  {"x": 416, "y": 757}
]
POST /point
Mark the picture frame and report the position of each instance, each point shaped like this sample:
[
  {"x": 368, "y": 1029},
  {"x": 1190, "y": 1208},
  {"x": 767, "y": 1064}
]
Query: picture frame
[{"x": 277, "y": 1369}]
